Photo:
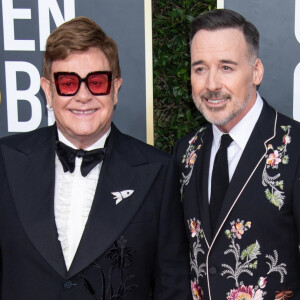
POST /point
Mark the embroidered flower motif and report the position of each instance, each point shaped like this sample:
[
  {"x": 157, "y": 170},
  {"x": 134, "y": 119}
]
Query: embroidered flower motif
[
  {"x": 274, "y": 193},
  {"x": 245, "y": 293},
  {"x": 274, "y": 158},
  {"x": 283, "y": 295},
  {"x": 196, "y": 291},
  {"x": 194, "y": 226},
  {"x": 199, "y": 270},
  {"x": 237, "y": 229},
  {"x": 286, "y": 139},
  {"x": 245, "y": 261},
  {"x": 262, "y": 282},
  {"x": 248, "y": 224},
  {"x": 241, "y": 293},
  {"x": 190, "y": 157},
  {"x": 193, "y": 140},
  {"x": 258, "y": 295}
]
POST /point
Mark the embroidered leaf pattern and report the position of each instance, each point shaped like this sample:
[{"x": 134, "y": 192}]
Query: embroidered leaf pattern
[
  {"x": 120, "y": 257},
  {"x": 245, "y": 261},
  {"x": 280, "y": 148},
  {"x": 253, "y": 265},
  {"x": 274, "y": 193},
  {"x": 87, "y": 285},
  {"x": 285, "y": 159},
  {"x": 274, "y": 267},
  {"x": 251, "y": 251},
  {"x": 279, "y": 184},
  {"x": 276, "y": 198},
  {"x": 286, "y": 128}
]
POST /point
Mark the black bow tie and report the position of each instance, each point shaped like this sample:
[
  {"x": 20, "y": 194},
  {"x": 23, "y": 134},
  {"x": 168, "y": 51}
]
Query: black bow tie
[{"x": 67, "y": 157}]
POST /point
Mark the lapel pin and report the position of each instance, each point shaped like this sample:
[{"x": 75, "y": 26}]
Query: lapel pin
[{"x": 119, "y": 196}]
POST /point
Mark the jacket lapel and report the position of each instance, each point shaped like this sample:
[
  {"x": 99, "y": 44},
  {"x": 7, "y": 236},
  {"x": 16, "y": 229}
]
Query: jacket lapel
[
  {"x": 33, "y": 193},
  {"x": 249, "y": 161},
  {"x": 124, "y": 168},
  {"x": 202, "y": 180}
]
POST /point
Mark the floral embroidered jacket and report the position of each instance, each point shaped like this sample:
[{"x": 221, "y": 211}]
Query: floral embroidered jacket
[{"x": 254, "y": 253}]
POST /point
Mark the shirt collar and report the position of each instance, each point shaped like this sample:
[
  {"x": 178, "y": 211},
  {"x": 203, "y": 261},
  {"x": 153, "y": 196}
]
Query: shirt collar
[
  {"x": 98, "y": 144},
  {"x": 241, "y": 132}
]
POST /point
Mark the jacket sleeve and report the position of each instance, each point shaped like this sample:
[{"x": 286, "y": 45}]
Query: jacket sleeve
[
  {"x": 172, "y": 264},
  {"x": 296, "y": 204}
]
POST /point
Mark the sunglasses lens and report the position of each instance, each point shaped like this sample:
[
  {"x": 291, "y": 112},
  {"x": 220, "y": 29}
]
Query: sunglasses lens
[
  {"x": 98, "y": 84},
  {"x": 68, "y": 84}
]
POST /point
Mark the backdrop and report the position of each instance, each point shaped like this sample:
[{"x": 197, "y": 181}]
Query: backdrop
[
  {"x": 25, "y": 28},
  {"x": 279, "y": 25}
]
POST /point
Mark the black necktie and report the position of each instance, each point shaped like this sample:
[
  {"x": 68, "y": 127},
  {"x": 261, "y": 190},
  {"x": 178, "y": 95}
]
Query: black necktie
[
  {"x": 219, "y": 180},
  {"x": 67, "y": 157}
]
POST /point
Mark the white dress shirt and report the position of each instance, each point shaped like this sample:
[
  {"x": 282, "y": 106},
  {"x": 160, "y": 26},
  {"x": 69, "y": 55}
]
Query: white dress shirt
[
  {"x": 240, "y": 134},
  {"x": 73, "y": 199}
]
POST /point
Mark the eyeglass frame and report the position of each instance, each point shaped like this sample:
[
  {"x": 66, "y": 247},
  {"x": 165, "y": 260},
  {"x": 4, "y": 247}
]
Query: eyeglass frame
[{"x": 109, "y": 81}]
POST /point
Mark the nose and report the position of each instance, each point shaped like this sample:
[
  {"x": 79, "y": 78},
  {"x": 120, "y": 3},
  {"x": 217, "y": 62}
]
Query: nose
[
  {"x": 83, "y": 94},
  {"x": 213, "y": 81}
]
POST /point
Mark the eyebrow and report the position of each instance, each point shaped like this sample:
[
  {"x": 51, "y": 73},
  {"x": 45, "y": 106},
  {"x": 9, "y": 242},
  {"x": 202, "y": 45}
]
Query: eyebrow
[
  {"x": 224, "y": 61},
  {"x": 198, "y": 62},
  {"x": 229, "y": 62}
]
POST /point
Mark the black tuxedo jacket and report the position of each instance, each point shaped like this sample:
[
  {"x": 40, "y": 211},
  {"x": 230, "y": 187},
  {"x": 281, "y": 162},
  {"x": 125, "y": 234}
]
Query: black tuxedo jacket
[
  {"x": 128, "y": 250},
  {"x": 255, "y": 250}
]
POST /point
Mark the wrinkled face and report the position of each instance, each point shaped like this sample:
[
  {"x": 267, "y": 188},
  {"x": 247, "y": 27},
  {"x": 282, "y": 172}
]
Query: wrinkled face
[
  {"x": 84, "y": 117},
  {"x": 223, "y": 76}
]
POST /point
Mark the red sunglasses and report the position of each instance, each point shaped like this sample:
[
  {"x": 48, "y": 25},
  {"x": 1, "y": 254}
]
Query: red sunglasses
[{"x": 68, "y": 83}]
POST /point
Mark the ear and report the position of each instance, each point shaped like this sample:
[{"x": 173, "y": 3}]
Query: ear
[
  {"x": 258, "y": 72},
  {"x": 45, "y": 84},
  {"x": 116, "y": 86}
]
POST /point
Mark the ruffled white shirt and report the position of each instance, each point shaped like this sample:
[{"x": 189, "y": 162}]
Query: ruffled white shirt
[{"x": 73, "y": 199}]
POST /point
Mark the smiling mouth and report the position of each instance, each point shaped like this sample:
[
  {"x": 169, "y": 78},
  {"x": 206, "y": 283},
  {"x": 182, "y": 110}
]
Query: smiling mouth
[
  {"x": 216, "y": 101},
  {"x": 82, "y": 112}
]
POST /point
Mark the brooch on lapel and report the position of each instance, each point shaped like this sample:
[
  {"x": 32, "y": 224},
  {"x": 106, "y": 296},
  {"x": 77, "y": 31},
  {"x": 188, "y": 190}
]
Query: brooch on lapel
[{"x": 119, "y": 196}]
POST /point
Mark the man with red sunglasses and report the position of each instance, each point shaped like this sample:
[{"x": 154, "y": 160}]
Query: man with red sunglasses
[{"x": 87, "y": 212}]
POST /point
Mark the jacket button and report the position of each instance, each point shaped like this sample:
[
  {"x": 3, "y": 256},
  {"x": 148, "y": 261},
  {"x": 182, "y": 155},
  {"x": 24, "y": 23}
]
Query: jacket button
[
  {"x": 68, "y": 284},
  {"x": 212, "y": 271}
]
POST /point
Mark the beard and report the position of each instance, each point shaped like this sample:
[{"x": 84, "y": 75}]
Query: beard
[{"x": 221, "y": 116}]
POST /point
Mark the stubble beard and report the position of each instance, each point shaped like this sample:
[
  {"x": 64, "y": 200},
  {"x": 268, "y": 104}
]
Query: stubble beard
[{"x": 214, "y": 115}]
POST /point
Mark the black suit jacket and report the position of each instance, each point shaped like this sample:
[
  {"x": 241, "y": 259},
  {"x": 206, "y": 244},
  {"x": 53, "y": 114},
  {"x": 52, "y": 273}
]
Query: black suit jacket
[
  {"x": 127, "y": 251},
  {"x": 255, "y": 250}
]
